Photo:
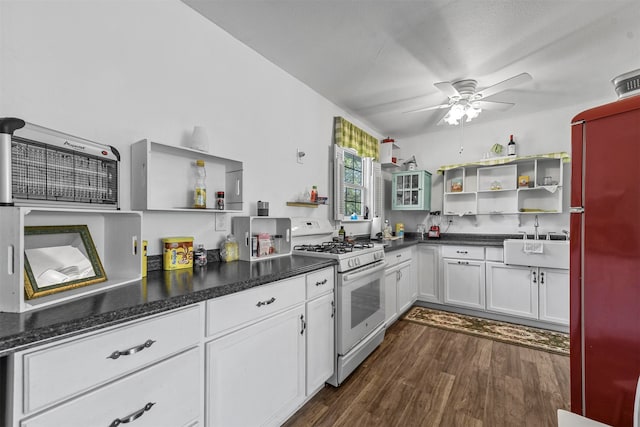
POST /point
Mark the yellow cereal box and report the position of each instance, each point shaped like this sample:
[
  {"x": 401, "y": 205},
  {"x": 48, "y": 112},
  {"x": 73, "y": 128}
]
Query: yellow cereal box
[{"x": 177, "y": 252}]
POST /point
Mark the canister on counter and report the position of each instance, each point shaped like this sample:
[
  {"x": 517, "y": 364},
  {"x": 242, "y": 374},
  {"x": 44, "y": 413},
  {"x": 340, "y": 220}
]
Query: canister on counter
[
  {"x": 263, "y": 208},
  {"x": 399, "y": 230},
  {"x": 177, "y": 252}
]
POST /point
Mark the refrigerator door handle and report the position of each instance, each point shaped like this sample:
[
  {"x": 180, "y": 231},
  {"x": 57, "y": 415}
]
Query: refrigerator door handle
[{"x": 576, "y": 209}]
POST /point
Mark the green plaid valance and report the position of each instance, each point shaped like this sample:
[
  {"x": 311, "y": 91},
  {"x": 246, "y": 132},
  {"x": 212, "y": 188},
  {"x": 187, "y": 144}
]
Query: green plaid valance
[{"x": 348, "y": 135}]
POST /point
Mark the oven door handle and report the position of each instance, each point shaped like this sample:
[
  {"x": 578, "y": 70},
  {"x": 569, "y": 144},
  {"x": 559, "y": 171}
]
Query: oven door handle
[{"x": 366, "y": 271}]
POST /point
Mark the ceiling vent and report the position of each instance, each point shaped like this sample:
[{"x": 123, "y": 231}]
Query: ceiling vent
[{"x": 627, "y": 84}]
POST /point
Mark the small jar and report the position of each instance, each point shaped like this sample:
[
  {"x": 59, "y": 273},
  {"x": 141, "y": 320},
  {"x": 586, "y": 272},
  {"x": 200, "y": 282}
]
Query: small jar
[
  {"x": 220, "y": 200},
  {"x": 278, "y": 243},
  {"x": 200, "y": 256}
]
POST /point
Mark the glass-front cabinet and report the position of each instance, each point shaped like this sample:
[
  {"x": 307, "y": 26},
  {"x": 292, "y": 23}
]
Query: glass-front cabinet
[{"x": 411, "y": 190}]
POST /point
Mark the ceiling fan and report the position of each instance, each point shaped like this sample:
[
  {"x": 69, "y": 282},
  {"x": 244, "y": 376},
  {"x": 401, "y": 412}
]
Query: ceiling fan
[{"x": 464, "y": 100}]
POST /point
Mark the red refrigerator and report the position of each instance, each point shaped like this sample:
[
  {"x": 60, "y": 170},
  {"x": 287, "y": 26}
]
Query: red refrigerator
[{"x": 605, "y": 261}]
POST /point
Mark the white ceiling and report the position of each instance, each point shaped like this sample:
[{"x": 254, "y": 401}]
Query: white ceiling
[{"x": 377, "y": 59}]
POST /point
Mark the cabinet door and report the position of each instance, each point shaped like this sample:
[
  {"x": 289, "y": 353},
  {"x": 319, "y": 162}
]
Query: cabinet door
[
  {"x": 464, "y": 283},
  {"x": 406, "y": 287},
  {"x": 320, "y": 341},
  {"x": 554, "y": 295},
  {"x": 512, "y": 290},
  {"x": 428, "y": 264},
  {"x": 390, "y": 296},
  {"x": 256, "y": 376}
]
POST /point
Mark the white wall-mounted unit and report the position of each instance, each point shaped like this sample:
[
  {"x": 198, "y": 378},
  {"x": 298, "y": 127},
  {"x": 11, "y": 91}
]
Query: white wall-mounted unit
[
  {"x": 117, "y": 236},
  {"x": 163, "y": 178},
  {"x": 247, "y": 227}
]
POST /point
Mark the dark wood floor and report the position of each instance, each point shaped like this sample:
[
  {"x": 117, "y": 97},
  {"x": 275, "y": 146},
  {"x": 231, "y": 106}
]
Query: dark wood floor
[{"x": 425, "y": 376}]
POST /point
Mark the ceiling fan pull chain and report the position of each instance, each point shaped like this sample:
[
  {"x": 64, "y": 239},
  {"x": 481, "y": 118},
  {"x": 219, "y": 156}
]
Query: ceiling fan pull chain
[{"x": 461, "y": 137}]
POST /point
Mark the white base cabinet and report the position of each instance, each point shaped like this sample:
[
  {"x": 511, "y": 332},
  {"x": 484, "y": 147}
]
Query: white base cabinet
[
  {"x": 257, "y": 374},
  {"x": 554, "y": 295},
  {"x": 321, "y": 313},
  {"x": 320, "y": 341},
  {"x": 251, "y": 358},
  {"x": 151, "y": 368},
  {"x": 269, "y": 349},
  {"x": 512, "y": 290},
  {"x": 401, "y": 285},
  {"x": 390, "y": 296},
  {"x": 428, "y": 266},
  {"x": 463, "y": 271},
  {"x": 529, "y": 292},
  {"x": 165, "y": 394}
]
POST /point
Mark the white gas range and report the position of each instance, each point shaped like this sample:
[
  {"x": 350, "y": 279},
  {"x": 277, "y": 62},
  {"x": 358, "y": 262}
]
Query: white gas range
[{"x": 359, "y": 290}]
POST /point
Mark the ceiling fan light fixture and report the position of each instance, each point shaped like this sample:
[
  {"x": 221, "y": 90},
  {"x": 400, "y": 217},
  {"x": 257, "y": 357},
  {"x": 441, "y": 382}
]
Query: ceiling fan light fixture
[{"x": 458, "y": 111}]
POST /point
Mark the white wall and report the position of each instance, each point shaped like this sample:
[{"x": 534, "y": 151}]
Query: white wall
[
  {"x": 117, "y": 71},
  {"x": 540, "y": 133}
]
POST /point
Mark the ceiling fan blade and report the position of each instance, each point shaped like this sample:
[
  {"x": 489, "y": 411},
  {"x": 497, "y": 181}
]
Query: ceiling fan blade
[
  {"x": 448, "y": 89},
  {"x": 433, "y": 107},
  {"x": 493, "y": 105},
  {"x": 503, "y": 85}
]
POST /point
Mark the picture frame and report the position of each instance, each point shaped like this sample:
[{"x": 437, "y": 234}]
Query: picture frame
[{"x": 58, "y": 258}]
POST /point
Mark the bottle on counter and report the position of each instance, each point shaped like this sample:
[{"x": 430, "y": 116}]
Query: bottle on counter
[
  {"x": 511, "y": 147},
  {"x": 314, "y": 194},
  {"x": 386, "y": 232},
  {"x": 341, "y": 234},
  {"x": 200, "y": 191}
]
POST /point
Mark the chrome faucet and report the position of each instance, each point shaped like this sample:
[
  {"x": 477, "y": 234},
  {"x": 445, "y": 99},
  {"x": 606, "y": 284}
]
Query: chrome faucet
[{"x": 535, "y": 226}]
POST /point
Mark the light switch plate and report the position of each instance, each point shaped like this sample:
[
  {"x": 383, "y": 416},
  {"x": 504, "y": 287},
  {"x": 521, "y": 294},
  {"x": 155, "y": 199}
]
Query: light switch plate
[{"x": 221, "y": 222}]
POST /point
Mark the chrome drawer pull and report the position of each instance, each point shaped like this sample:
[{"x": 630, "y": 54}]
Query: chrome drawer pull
[
  {"x": 321, "y": 283},
  {"x": 303, "y": 324},
  {"x": 267, "y": 302},
  {"x": 463, "y": 262},
  {"x": 462, "y": 252},
  {"x": 133, "y": 416},
  {"x": 133, "y": 350}
]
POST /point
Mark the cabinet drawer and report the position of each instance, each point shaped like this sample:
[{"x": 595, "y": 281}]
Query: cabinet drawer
[
  {"x": 396, "y": 257},
  {"x": 170, "y": 390},
  {"x": 58, "y": 372},
  {"x": 319, "y": 282},
  {"x": 230, "y": 312},
  {"x": 463, "y": 252}
]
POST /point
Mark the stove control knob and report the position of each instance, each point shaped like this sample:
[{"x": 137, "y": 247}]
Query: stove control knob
[
  {"x": 350, "y": 263},
  {"x": 358, "y": 262}
]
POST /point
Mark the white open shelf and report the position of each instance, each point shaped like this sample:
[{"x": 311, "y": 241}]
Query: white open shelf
[
  {"x": 162, "y": 178},
  {"x": 494, "y": 189},
  {"x": 116, "y": 236}
]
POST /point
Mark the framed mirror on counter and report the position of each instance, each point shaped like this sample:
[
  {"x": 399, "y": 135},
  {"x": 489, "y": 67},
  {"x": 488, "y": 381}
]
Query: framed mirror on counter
[{"x": 58, "y": 258}]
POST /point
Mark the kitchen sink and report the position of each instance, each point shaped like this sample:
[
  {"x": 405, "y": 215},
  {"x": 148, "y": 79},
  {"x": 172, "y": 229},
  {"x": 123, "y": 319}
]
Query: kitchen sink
[{"x": 537, "y": 253}]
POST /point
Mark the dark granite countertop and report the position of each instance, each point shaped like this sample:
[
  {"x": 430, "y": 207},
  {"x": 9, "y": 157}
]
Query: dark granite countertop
[
  {"x": 457, "y": 239},
  {"x": 158, "y": 292}
]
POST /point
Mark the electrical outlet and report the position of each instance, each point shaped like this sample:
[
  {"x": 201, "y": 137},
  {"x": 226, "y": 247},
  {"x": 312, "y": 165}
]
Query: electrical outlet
[{"x": 221, "y": 222}]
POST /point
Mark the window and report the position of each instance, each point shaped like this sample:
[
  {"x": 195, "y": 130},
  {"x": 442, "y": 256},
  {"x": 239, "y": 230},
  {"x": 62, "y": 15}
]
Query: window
[
  {"x": 357, "y": 185},
  {"x": 354, "y": 189}
]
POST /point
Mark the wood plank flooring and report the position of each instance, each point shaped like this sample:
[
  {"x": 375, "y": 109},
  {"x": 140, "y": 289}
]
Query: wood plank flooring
[{"x": 425, "y": 376}]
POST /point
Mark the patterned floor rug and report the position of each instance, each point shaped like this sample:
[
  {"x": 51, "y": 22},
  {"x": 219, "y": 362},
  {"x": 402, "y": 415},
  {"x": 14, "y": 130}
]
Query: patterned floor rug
[{"x": 554, "y": 342}]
